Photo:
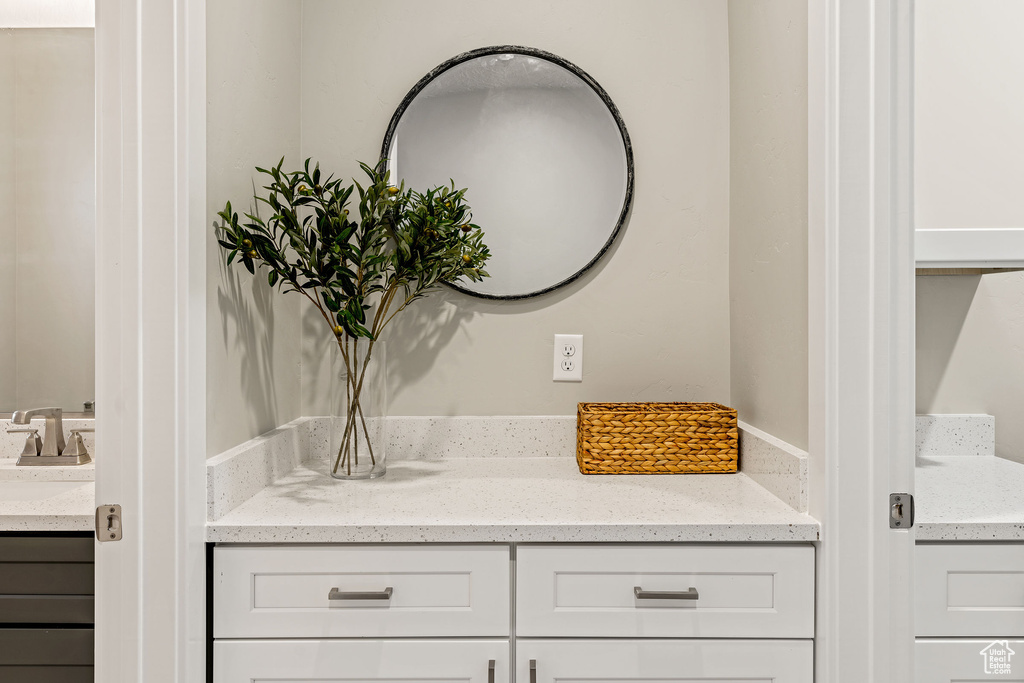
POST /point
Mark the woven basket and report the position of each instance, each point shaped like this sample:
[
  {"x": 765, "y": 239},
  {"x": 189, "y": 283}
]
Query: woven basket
[{"x": 654, "y": 438}]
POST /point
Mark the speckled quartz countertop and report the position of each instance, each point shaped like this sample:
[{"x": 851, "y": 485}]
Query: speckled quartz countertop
[
  {"x": 47, "y": 505},
  {"x": 46, "y": 498},
  {"x": 969, "y": 498},
  {"x": 509, "y": 500}
]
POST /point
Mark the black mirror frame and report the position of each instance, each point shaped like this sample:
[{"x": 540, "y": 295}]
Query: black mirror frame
[{"x": 579, "y": 73}]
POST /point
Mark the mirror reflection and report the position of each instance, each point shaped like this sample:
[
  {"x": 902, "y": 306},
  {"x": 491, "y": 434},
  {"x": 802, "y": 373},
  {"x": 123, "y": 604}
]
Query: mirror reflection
[
  {"x": 47, "y": 188},
  {"x": 542, "y": 150}
]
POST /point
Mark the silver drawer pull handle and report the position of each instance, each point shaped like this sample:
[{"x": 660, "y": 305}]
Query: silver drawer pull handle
[
  {"x": 490, "y": 671},
  {"x": 385, "y": 594},
  {"x": 533, "y": 671},
  {"x": 641, "y": 594}
]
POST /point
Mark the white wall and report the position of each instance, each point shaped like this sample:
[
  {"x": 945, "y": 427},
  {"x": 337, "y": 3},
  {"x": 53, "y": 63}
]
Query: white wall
[
  {"x": 8, "y": 227},
  {"x": 654, "y": 313},
  {"x": 968, "y": 99},
  {"x": 768, "y": 215},
  {"x": 253, "y": 334},
  {"x": 47, "y": 13},
  {"x": 969, "y": 170},
  {"x": 47, "y": 187}
]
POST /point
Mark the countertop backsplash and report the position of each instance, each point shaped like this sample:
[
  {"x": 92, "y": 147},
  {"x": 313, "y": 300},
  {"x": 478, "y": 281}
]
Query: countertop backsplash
[{"x": 955, "y": 434}]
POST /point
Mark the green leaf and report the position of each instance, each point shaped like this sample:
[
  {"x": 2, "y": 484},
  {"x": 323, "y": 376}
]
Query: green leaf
[{"x": 404, "y": 242}]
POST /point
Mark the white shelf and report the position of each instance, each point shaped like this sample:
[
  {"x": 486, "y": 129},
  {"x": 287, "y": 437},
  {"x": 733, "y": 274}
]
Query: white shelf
[{"x": 970, "y": 248}]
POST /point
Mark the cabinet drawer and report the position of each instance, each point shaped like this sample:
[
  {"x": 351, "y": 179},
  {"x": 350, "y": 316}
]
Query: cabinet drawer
[
  {"x": 338, "y": 591},
  {"x": 601, "y": 661},
  {"x": 47, "y": 609},
  {"x": 47, "y": 578},
  {"x": 956, "y": 661},
  {"x": 56, "y": 548},
  {"x": 45, "y": 648},
  {"x": 346, "y": 661},
  {"x": 969, "y": 589},
  {"x": 738, "y": 591}
]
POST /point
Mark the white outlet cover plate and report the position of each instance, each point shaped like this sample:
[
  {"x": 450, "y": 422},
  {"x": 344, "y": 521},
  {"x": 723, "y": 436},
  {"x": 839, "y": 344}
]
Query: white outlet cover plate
[{"x": 568, "y": 368}]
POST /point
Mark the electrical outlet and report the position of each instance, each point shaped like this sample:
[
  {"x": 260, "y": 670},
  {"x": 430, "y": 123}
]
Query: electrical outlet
[{"x": 568, "y": 358}]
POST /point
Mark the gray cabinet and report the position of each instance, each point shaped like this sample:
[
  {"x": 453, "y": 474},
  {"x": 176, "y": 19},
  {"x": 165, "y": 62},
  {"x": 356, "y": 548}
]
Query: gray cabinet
[{"x": 46, "y": 608}]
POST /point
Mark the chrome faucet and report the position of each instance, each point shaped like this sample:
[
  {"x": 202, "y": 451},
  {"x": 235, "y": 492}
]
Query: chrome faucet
[{"x": 53, "y": 436}]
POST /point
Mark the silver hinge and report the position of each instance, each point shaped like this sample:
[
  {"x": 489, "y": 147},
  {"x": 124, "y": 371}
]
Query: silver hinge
[
  {"x": 901, "y": 511},
  {"x": 108, "y": 523}
]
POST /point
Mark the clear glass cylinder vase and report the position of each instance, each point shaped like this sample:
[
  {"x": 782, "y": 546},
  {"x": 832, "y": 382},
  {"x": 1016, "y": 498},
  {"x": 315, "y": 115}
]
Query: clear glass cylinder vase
[{"x": 358, "y": 409}]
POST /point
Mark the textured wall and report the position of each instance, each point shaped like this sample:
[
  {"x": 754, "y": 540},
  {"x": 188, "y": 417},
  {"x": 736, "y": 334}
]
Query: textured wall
[
  {"x": 47, "y": 231},
  {"x": 768, "y": 215},
  {"x": 654, "y": 313},
  {"x": 253, "y": 334}
]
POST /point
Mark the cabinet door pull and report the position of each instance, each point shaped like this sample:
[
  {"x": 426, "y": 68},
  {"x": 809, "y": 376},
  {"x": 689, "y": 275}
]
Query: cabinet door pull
[
  {"x": 385, "y": 594},
  {"x": 533, "y": 671},
  {"x": 641, "y": 594},
  {"x": 490, "y": 671}
]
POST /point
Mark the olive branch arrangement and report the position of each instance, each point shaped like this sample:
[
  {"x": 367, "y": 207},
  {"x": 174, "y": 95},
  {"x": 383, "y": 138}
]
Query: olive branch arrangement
[{"x": 359, "y": 273}]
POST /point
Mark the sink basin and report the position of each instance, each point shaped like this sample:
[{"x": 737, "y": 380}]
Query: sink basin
[{"x": 35, "y": 490}]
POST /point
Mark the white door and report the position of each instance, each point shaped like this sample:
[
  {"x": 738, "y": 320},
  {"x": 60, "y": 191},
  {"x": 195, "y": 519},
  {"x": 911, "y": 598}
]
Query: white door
[
  {"x": 150, "y": 410},
  {"x": 366, "y": 661},
  {"x": 666, "y": 661}
]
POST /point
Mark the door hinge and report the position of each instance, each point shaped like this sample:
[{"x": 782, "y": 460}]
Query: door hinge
[
  {"x": 108, "y": 523},
  {"x": 901, "y": 511}
]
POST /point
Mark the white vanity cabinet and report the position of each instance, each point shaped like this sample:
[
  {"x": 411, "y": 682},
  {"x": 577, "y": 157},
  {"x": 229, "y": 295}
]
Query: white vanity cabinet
[
  {"x": 703, "y": 661},
  {"x": 363, "y": 660},
  {"x": 665, "y": 591},
  {"x": 623, "y": 612},
  {"x": 667, "y": 612},
  {"x": 969, "y": 612},
  {"x": 366, "y": 613},
  {"x": 361, "y": 591}
]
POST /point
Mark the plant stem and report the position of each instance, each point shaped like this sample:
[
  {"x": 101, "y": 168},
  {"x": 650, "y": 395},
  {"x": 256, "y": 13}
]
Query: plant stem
[{"x": 355, "y": 372}]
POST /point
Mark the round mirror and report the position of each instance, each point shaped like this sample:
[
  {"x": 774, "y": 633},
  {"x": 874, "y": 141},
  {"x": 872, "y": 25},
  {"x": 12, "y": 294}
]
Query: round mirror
[{"x": 542, "y": 150}]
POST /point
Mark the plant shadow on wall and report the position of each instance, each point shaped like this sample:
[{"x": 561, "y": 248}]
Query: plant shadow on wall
[
  {"x": 415, "y": 341},
  {"x": 358, "y": 271},
  {"x": 253, "y": 327}
]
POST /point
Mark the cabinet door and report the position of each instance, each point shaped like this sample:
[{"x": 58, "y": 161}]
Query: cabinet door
[
  {"x": 313, "y": 591},
  {"x": 721, "y": 591},
  {"x": 970, "y": 589},
  {"x": 345, "y": 661},
  {"x": 666, "y": 661},
  {"x": 955, "y": 661}
]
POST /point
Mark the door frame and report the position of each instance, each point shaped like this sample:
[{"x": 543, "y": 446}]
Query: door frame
[
  {"x": 861, "y": 320},
  {"x": 151, "y": 336}
]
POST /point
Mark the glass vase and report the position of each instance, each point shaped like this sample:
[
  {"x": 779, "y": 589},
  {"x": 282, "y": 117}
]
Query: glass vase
[{"x": 358, "y": 410}]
